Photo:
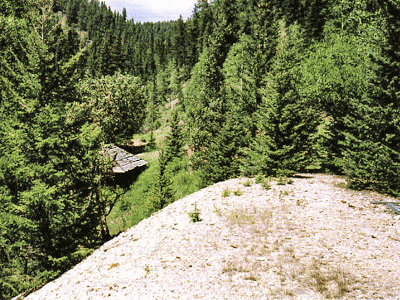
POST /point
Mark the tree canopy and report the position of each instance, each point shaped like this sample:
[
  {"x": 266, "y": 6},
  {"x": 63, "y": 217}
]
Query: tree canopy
[{"x": 264, "y": 86}]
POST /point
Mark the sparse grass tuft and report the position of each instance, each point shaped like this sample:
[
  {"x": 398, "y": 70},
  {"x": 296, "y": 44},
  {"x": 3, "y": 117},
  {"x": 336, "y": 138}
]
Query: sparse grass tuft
[
  {"x": 147, "y": 269},
  {"x": 266, "y": 185},
  {"x": 283, "y": 193},
  {"x": 217, "y": 210},
  {"x": 226, "y": 192},
  {"x": 247, "y": 183},
  {"x": 240, "y": 217},
  {"x": 238, "y": 192},
  {"x": 229, "y": 268},
  {"x": 331, "y": 282},
  {"x": 259, "y": 221},
  {"x": 281, "y": 181},
  {"x": 251, "y": 276}
]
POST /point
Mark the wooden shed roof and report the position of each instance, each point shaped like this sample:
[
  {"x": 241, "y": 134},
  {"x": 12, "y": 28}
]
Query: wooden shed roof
[{"x": 122, "y": 160}]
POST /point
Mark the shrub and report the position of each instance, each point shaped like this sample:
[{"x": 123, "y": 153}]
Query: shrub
[{"x": 260, "y": 178}]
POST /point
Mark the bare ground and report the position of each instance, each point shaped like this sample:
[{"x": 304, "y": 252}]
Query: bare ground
[{"x": 312, "y": 239}]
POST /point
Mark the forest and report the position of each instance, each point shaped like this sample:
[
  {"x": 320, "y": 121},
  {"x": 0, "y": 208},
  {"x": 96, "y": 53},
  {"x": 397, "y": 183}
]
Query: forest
[{"x": 263, "y": 87}]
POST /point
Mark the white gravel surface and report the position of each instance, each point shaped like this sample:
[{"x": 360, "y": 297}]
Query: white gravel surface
[{"x": 313, "y": 239}]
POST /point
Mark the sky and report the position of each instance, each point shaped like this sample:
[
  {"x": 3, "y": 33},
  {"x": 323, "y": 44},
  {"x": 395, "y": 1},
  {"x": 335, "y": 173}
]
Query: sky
[{"x": 153, "y": 10}]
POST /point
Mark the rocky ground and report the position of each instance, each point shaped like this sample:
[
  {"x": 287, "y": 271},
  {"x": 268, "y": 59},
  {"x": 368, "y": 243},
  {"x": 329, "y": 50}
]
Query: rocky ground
[{"x": 312, "y": 239}]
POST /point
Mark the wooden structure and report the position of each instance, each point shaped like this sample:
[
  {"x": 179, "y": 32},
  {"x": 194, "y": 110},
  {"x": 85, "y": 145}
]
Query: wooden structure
[{"x": 122, "y": 161}]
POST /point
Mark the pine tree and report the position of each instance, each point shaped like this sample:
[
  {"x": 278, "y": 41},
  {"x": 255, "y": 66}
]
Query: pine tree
[
  {"x": 311, "y": 15},
  {"x": 178, "y": 41},
  {"x": 333, "y": 77},
  {"x": 175, "y": 82},
  {"x": 221, "y": 160},
  {"x": 243, "y": 79},
  {"x": 372, "y": 155},
  {"x": 152, "y": 113},
  {"x": 162, "y": 82},
  {"x": 163, "y": 193},
  {"x": 281, "y": 146},
  {"x": 49, "y": 163},
  {"x": 174, "y": 141},
  {"x": 18, "y": 100},
  {"x": 204, "y": 105}
]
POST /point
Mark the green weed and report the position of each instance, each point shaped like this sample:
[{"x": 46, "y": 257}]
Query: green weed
[
  {"x": 217, "y": 211},
  {"x": 259, "y": 178},
  {"x": 238, "y": 192},
  {"x": 147, "y": 269},
  {"x": 194, "y": 215},
  {"x": 226, "y": 192},
  {"x": 265, "y": 184},
  {"x": 281, "y": 181},
  {"x": 247, "y": 183}
]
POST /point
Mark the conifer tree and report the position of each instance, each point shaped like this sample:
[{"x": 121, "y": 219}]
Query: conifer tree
[
  {"x": 281, "y": 145},
  {"x": 175, "y": 82},
  {"x": 221, "y": 161},
  {"x": 152, "y": 113},
  {"x": 18, "y": 100},
  {"x": 162, "y": 84},
  {"x": 174, "y": 141},
  {"x": 163, "y": 193},
  {"x": 372, "y": 155},
  {"x": 178, "y": 41},
  {"x": 332, "y": 83},
  {"x": 243, "y": 82},
  {"x": 49, "y": 163},
  {"x": 205, "y": 106}
]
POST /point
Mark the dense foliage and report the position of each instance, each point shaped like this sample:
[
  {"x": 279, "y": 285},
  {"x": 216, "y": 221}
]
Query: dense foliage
[{"x": 265, "y": 87}]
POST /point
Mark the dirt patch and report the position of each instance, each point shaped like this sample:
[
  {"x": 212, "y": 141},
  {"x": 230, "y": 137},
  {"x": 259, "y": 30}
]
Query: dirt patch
[{"x": 312, "y": 239}]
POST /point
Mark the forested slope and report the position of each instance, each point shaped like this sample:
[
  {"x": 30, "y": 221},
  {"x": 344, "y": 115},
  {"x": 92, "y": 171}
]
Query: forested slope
[{"x": 271, "y": 87}]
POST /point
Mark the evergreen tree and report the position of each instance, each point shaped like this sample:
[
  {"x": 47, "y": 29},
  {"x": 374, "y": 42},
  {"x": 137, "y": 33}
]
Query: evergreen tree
[
  {"x": 174, "y": 141},
  {"x": 331, "y": 81},
  {"x": 163, "y": 193},
  {"x": 204, "y": 106},
  {"x": 221, "y": 159},
  {"x": 49, "y": 163},
  {"x": 175, "y": 81},
  {"x": 162, "y": 83},
  {"x": 178, "y": 41},
  {"x": 372, "y": 155},
  {"x": 18, "y": 100},
  {"x": 281, "y": 146},
  {"x": 243, "y": 79},
  {"x": 311, "y": 15}
]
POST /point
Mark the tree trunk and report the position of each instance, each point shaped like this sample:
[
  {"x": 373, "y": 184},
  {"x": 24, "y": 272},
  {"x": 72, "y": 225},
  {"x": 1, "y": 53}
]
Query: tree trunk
[{"x": 105, "y": 233}]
